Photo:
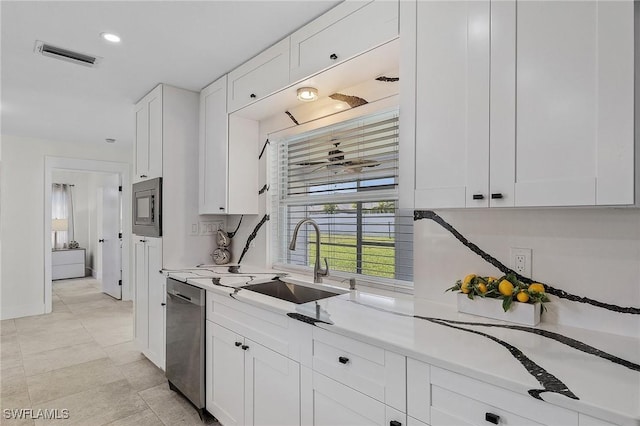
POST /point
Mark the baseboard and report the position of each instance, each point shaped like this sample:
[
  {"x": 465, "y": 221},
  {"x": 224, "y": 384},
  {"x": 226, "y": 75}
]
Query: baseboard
[{"x": 10, "y": 312}]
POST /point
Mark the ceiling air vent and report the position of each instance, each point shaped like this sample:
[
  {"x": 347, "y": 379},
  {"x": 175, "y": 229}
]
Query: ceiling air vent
[{"x": 46, "y": 49}]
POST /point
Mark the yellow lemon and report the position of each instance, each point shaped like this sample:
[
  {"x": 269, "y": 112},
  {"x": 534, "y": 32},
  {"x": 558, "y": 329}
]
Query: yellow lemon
[
  {"x": 505, "y": 288},
  {"x": 482, "y": 287},
  {"x": 522, "y": 297},
  {"x": 491, "y": 279},
  {"x": 536, "y": 288},
  {"x": 466, "y": 283}
]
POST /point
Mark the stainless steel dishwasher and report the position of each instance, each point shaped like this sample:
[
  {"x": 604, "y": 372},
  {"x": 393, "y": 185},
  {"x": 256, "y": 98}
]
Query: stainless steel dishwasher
[{"x": 185, "y": 342}]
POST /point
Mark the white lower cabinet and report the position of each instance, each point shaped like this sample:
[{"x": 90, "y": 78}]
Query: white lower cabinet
[
  {"x": 247, "y": 383},
  {"x": 337, "y": 404},
  {"x": 440, "y": 397},
  {"x": 150, "y": 299}
]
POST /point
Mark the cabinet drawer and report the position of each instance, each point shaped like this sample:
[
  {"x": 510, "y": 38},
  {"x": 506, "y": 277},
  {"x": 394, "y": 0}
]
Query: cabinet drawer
[
  {"x": 371, "y": 370},
  {"x": 73, "y": 270},
  {"x": 337, "y": 404},
  {"x": 258, "y": 77},
  {"x": 66, "y": 257},
  {"x": 470, "y": 399},
  {"x": 345, "y": 31},
  {"x": 261, "y": 326},
  {"x": 471, "y": 411}
]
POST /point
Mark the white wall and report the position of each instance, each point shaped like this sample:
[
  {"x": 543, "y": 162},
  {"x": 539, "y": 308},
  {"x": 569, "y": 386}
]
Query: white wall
[
  {"x": 22, "y": 221},
  {"x": 588, "y": 252}
]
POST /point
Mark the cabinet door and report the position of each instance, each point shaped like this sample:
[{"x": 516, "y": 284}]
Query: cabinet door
[
  {"x": 213, "y": 148},
  {"x": 343, "y": 32},
  {"x": 156, "y": 299},
  {"x": 452, "y": 104},
  {"x": 141, "y": 288},
  {"x": 225, "y": 375},
  {"x": 260, "y": 76},
  {"x": 337, "y": 404},
  {"x": 148, "y": 142},
  {"x": 272, "y": 387},
  {"x": 566, "y": 105},
  {"x": 141, "y": 150}
]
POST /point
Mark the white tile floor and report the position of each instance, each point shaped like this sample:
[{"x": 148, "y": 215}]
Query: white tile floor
[{"x": 81, "y": 358}]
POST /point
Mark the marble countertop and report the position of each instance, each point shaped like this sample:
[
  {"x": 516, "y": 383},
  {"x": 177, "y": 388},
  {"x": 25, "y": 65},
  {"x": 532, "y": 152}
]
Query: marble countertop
[{"x": 591, "y": 372}]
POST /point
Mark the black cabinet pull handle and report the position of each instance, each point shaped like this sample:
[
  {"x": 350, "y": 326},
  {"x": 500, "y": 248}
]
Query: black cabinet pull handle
[
  {"x": 221, "y": 208},
  {"x": 163, "y": 304},
  {"x": 238, "y": 344},
  {"x": 333, "y": 56},
  {"x": 497, "y": 195},
  {"x": 343, "y": 359},
  {"x": 478, "y": 197},
  {"x": 143, "y": 176},
  {"x": 245, "y": 347},
  {"x": 101, "y": 240},
  {"x": 492, "y": 418},
  {"x": 395, "y": 423},
  {"x": 252, "y": 96}
]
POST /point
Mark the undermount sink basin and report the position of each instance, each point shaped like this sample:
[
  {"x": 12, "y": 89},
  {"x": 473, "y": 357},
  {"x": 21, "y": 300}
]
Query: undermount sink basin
[{"x": 291, "y": 292}]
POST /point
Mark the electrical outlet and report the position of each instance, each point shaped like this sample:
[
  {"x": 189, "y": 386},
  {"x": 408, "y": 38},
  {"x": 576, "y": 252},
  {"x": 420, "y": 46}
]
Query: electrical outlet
[
  {"x": 521, "y": 261},
  {"x": 194, "y": 229},
  {"x": 209, "y": 227}
]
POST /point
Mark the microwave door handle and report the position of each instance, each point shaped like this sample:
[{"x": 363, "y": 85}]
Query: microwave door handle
[{"x": 152, "y": 203}]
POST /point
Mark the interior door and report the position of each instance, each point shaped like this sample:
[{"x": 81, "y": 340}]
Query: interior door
[{"x": 109, "y": 229}]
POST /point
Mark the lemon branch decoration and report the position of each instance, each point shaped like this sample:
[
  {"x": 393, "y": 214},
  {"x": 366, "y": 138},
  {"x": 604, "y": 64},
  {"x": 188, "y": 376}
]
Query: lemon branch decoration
[{"x": 508, "y": 288}]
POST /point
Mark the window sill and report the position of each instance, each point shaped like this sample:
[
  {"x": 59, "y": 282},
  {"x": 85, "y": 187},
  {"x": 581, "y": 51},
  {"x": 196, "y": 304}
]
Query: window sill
[{"x": 341, "y": 279}]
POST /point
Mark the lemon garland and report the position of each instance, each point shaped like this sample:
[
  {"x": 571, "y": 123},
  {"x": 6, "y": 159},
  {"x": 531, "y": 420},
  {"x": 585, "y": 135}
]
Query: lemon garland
[{"x": 508, "y": 288}]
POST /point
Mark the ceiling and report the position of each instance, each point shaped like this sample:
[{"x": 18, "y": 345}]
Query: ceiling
[{"x": 187, "y": 44}]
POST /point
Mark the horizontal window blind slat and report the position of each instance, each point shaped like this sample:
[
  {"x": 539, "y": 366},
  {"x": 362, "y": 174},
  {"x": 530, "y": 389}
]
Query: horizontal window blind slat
[{"x": 344, "y": 178}]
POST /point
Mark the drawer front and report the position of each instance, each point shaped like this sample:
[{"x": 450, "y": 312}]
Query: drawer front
[
  {"x": 369, "y": 369},
  {"x": 439, "y": 418},
  {"x": 66, "y": 257},
  {"x": 264, "y": 327},
  {"x": 345, "y": 31},
  {"x": 266, "y": 73},
  {"x": 337, "y": 404},
  {"x": 59, "y": 272},
  {"x": 489, "y": 397},
  {"x": 471, "y": 411}
]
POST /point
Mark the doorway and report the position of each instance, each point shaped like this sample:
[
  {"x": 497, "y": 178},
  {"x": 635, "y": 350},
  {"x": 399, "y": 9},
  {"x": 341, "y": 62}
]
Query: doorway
[{"x": 108, "y": 196}]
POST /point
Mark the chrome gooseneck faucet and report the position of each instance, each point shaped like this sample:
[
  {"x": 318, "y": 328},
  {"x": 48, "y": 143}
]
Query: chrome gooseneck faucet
[{"x": 318, "y": 272}]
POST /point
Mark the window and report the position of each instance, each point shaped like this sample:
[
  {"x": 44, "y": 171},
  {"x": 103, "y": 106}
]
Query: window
[{"x": 345, "y": 178}]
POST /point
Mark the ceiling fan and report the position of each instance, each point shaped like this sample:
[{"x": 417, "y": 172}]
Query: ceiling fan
[{"x": 338, "y": 164}]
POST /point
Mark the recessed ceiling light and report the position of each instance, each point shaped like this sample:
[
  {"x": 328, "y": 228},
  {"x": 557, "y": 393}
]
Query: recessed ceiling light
[
  {"x": 307, "y": 94},
  {"x": 110, "y": 37},
  {"x": 110, "y": 140}
]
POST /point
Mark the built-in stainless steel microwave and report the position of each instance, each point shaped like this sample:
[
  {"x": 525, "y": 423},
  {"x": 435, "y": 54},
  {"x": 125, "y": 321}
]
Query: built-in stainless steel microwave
[{"x": 147, "y": 208}]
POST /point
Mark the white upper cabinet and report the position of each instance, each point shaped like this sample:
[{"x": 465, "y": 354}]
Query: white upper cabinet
[
  {"x": 348, "y": 29},
  {"x": 524, "y": 103},
  {"x": 452, "y": 104},
  {"x": 262, "y": 75},
  {"x": 228, "y": 156},
  {"x": 148, "y": 140},
  {"x": 563, "y": 102},
  {"x": 213, "y": 148}
]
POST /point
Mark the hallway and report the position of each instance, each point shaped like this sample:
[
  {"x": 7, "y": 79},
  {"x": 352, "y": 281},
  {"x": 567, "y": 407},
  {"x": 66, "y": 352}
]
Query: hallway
[{"x": 81, "y": 358}]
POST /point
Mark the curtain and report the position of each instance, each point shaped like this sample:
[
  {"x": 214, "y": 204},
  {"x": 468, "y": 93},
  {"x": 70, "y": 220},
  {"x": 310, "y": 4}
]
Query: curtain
[{"x": 62, "y": 208}]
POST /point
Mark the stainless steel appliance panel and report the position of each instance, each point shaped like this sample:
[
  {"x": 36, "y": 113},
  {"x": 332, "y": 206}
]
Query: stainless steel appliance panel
[
  {"x": 186, "y": 341},
  {"x": 147, "y": 208}
]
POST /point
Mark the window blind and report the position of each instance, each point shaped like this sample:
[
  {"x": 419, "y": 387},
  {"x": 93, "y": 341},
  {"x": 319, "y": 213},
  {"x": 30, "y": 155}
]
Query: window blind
[{"x": 344, "y": 177}]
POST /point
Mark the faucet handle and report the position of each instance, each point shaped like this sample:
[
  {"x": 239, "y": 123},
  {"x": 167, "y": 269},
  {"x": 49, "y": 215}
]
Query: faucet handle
[{"x": 324, "y": 271}]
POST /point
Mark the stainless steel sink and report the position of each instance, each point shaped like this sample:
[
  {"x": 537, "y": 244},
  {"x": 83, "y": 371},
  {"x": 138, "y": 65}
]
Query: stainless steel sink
[{"x": 295, "y": 293}]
